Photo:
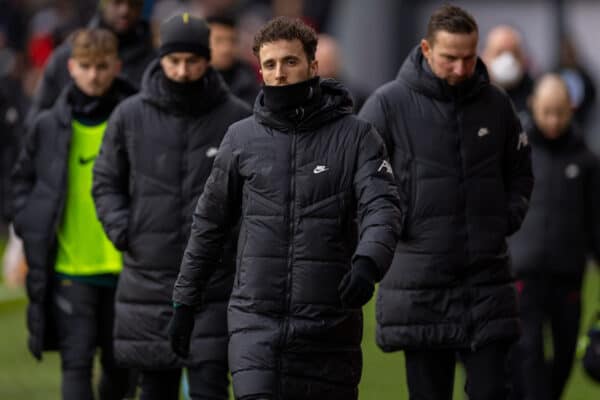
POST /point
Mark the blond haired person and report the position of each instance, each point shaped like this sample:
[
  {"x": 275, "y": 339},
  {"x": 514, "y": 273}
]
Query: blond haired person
[{"x": 73, "y": 267}]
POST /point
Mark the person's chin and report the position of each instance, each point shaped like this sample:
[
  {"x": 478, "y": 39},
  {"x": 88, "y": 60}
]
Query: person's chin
[{"x": 95, "y": 92}]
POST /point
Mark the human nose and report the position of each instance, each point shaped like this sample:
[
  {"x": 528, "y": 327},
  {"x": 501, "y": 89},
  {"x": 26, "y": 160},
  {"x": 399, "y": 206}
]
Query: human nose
[
  {"x": 460, "y": 68},
  {"x": 279, "y": 71},
  {"x": 182, "y": 69}
]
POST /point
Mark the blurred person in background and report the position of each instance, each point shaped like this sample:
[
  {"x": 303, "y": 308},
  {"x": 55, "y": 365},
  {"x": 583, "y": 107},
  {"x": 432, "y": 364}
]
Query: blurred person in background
[
  {"x": 582, "y": 90},
  {"x": 13, "y": 108},
  {"x": 73, "y": 267},
  {"x": 123, "y": 18},
  {"x": 550, "y": 251},
  {"x": 330, "y": 61},
  {"x": 506, "y": 60},
  {"x": 156, "y": 156},
  {"x": 239, "y": 75},
  {"x": 464, "y": 171},
  {"x": 298, "y": 173}
]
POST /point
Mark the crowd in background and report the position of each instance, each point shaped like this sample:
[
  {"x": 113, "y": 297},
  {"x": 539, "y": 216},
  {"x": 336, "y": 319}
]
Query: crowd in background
[{"x": 30, "y": 31}]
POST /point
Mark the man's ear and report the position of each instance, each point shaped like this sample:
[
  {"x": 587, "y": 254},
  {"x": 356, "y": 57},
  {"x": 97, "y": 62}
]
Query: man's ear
[
  {"x": 314, "y": 68},
  {"x": 425, "y": 48},
  {"x": 71, "y": 66}
]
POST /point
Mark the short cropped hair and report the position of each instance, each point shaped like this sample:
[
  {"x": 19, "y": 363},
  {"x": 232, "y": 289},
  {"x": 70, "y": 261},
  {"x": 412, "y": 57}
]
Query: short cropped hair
[
  {"x": 93, "y": 43},
  {"x": 227, "y": 20},
  {"x": 286, "y": 28},
  {"x": 451, "y": 19}
]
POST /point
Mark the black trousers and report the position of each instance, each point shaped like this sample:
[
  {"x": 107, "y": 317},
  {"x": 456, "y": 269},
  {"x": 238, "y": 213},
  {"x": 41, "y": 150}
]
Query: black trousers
[
  {"x": 430, "y": 373},
  {"x": 554, "y": 303},
  {"x": 206, "y": 382},
  {"x": 84, "y": 319}
]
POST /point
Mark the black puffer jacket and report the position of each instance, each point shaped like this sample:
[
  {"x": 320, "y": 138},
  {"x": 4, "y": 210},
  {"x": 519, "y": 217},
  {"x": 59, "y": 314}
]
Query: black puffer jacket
[
  {"x": 39, "y": 187},
  {"x": 298, "y": 188},
  {"x": 135, "y": 52},
  {"x": 157, "y": 153},
  {"x": 563, "y": 222},
  {"x": 13, "y": 106},
  {"x": 464, "y": 168}
]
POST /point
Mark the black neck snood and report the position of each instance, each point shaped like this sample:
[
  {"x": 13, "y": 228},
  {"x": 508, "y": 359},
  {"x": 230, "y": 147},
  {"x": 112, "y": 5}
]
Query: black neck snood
[
  {"x": 92, "y": 110},
  {"x": 290, "y": 97},
  {"x": 184, "y": 90}
]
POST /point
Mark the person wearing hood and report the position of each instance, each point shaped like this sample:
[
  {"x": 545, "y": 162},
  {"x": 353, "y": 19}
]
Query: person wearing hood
[
  {"x": 550, "y": 251},
  {"x": 73, "y": 267},
  {"x": 157, "y": 153},
  {"x": 505, "y": 58},
  {"x": 298, "y": 173},
  {"x": 123, "y": 18},
  {"x": 463, "y": 166}
]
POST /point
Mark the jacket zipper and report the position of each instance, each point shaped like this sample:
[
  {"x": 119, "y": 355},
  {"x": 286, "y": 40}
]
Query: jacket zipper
[
  {"x": 291, "y": 230},
  {"x": 468, "y": 296},
  {"x": 61, "y": 205}
]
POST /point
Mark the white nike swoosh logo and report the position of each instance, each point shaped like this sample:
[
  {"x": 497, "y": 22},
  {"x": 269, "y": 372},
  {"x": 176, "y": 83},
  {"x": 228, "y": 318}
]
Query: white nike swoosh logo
[{"x": 319, "y": 169}]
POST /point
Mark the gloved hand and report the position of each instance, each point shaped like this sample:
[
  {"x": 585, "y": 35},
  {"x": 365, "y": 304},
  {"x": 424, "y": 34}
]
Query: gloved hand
[
  {"x": 358, "y": 285},
  {"x": 180, "y": 329}
]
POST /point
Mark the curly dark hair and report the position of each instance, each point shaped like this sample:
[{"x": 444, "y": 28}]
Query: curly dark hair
[
  {"x": 286, "y": 28},
  {"x": 451, "y": 19}
]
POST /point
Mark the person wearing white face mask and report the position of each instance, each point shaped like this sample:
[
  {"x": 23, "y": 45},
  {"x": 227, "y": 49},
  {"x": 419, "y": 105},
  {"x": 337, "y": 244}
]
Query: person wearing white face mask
[{"x": 506, "y": 61}]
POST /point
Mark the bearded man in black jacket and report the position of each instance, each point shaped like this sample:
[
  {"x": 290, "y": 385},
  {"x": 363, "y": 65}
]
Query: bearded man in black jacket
[
  {"x": 157, "y": 153},
  {"x": 298, "y": 172},
  {"x": 464, "y": 168}
]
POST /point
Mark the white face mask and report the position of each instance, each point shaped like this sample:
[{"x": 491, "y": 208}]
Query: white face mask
[{"x": 506, "y": 70}]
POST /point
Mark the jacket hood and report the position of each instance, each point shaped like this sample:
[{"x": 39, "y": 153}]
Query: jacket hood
[
  {"x": 414, "y": 74},
  {"x": 213, "y": 91},
  {"x": 121, "y": 89},
  {"x": 335, "y": 101}
]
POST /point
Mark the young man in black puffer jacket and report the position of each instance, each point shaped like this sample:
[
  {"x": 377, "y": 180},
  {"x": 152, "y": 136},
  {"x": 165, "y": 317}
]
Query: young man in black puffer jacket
[
  {"x": 550, "y": 251},
  {"x": 73, "y": 267},
  {"x": 157, "y": 153},
  {"x": 298, "y": 172}
]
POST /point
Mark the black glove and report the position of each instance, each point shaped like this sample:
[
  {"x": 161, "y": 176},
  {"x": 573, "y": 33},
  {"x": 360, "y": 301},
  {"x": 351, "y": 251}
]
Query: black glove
[
  {"x": 180, "y": 329},
  {"x": 358, "y": 285}
]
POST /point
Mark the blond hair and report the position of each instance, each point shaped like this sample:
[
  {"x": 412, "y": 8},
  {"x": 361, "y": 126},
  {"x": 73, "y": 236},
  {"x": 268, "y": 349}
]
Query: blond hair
[{"x": 93, "y": 43}]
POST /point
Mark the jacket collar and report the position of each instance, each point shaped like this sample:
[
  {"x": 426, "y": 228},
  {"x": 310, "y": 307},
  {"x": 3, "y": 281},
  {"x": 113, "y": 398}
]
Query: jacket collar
[{"x": 419, "y": 77}]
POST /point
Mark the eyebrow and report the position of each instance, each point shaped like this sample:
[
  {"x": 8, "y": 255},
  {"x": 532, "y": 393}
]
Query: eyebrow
[{"x": 284, "y": 58}]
